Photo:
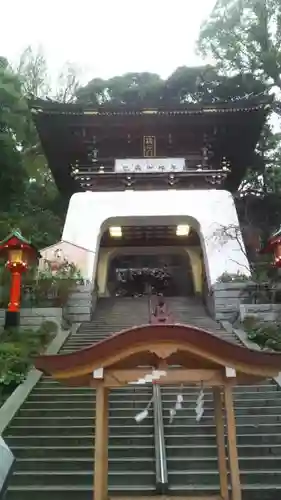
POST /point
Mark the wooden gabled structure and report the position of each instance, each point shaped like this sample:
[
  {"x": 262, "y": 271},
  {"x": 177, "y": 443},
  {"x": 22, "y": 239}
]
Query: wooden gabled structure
[
  {"x": 82, "y": 142},
  {"x": 202, "y": 358}
]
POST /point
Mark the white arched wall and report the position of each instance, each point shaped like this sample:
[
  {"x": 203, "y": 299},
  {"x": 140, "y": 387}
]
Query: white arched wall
[
  {"x": 107, "y": 254},
  {"x": 90, "y": 213}
]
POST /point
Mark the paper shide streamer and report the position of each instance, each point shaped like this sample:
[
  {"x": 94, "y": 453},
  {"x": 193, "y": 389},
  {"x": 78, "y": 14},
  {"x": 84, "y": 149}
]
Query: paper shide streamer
[{"x": 150, "y": 378}]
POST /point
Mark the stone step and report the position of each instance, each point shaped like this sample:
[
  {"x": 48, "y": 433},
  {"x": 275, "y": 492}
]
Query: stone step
[
  {"x": 246, "y": 464},
  {"x": 179, "y": 431},
  {"x": 242, "y": 399},
  {"x": 187, "y": 464},
  {"x": 69, "y": 430},
  {"x": 73, "y": 492},
  {"x": 176, "y": 451},
  {"x": 248, "y": 477},
  {"x": 135, "y": 440},
  {"x": 256, "y": 491},
  {"x": 82, "y": 478},
  {"x": 50, "y": 384},
  {"x": 54, "y": 420},
  {"x": 145, "y": 439},
  {"x": 82, "y": 451},
  {"x": 125, "y": 405},
  {"x": 116, "y": 412},
  {"x": 210, "y": 439},
  {"x": 210, "y": 450},
  {"x": 84, "y": 464},
  {"x": 79, "y": 406}
]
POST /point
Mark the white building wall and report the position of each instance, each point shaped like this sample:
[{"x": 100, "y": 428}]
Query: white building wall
[
  {"x": 208, "y": 211},
  {"x": 81, "y": 257}
]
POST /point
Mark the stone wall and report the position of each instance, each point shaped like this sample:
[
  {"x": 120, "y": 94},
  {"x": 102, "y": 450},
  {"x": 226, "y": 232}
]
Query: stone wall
[
  {"x": 226, "y": 299},
  {"x": 80, "y": 304},
  {"x": 32, "y": 318},
  {"x": 264, "y": 312}
]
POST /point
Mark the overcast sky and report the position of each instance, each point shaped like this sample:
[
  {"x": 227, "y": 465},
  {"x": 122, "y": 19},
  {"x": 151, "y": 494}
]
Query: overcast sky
[{"x": 105, "y": 37}]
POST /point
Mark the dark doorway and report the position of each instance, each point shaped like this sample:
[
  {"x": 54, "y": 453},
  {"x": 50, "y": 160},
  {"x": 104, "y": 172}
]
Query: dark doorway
[{"x": 135, "y": 275}]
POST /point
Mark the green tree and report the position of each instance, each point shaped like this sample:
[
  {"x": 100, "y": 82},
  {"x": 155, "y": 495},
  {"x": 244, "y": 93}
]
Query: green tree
[
  {"x": 245, "y": 36},
  {"x": 29, "y": 201},
  {"x": 12, "y": 112},
  {"x": 186, "y": 84}
]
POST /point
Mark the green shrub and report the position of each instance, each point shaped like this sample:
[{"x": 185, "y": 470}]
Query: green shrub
[
  {"x": 233, "y": 278},
  {"x": 17, "y": 348},
  {"x": 266, "y": 335},
  {"x": 49, "y": 327},
  {"x": 13, "y": 363}
]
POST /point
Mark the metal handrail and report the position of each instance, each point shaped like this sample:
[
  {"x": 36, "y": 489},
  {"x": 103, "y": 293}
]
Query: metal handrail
[
  {"x": 160, "y": 448},
  {"x": 7, "y": 460}
]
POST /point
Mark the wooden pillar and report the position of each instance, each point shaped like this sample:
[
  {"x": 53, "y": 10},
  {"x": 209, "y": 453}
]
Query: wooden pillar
[
  {"x": 232, "y": 444},
  {"x": 219, "y": 420},
  {"x": 101, "y": 445}
]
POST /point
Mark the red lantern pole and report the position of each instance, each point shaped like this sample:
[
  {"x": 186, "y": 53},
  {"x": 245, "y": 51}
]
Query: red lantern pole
[
  {"x": 273, "y": 245},
  {"x": 13, "y": 312},
  {"x": 277, "y": 254},
  {"x": 17, "y": 251},
  {"x": 14, "y": 304}
]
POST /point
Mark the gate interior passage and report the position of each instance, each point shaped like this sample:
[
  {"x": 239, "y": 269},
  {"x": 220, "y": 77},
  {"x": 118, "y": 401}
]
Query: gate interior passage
[
  {"x": 131, "y": 275},
  {"x": 201, "y": 359}
]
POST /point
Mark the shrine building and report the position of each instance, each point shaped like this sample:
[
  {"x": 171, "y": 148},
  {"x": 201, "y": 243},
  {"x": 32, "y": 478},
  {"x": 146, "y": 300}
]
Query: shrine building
[{"x": 151, "y": 187}]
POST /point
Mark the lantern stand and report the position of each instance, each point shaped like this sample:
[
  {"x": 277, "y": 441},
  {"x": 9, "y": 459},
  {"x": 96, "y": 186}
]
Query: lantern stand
[
  {"x": 273, "y": 245},
  {"x": 18, "y": 253}
]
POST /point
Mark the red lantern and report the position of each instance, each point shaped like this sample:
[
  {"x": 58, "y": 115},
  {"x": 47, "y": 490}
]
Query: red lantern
[
  {"x": 274, "y": 246},
  {"x": 18, "y": 253}
]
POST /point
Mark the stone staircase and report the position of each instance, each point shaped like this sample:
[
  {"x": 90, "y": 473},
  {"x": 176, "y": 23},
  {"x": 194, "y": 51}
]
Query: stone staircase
[
  {"x": 192, "y": 312},
  {"x": 191, "y": 447},
  {"x": 52, "y": 435}
]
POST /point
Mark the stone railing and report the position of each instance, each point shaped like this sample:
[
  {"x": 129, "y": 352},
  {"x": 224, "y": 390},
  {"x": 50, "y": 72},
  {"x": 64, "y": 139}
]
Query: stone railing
[
  {"x": 232, "y": 301},
  {"x": 32, "y": 318},
  {"x": 81, "y": 304},
  {"x": 225, "y": 299},
  {"x": 79, "y": 307},
  {"x": 263, "y": 312}
]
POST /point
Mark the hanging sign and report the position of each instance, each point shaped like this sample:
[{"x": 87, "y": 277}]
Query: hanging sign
[
  {"x": 199, "y": 409},
  {"x": 150, "y": 165},
  {"x": 149, "y": 146}
]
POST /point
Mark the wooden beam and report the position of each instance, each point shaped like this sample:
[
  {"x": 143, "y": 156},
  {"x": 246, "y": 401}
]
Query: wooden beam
[
  {"x": 219, "y": 420},
  {"x": 116, "y": 378},
  {"x": 189, "y": 349},
  {"x": 167, "y": 497},
  {"x": 232, "y": 444},
  {"x": 101, "y": 445}
]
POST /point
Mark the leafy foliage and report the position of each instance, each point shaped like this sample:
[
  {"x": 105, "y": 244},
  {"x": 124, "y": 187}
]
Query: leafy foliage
[
  {"x": 186, "y": 84},
  {"x": 267, "y": 335},
  {"x": 16, "y": 351},
  {"x": 28, "y": 196},
  {"x": 232, "y": 278},
  {"x": 244, "y": 37},
  {"x": 53, "y": 287}
]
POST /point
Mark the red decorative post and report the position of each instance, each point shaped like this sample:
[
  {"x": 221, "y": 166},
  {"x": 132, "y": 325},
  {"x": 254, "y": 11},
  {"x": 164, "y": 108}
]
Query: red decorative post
[
  {"x": 18, "y": 253},
  {"x": 273, "y": 245}
]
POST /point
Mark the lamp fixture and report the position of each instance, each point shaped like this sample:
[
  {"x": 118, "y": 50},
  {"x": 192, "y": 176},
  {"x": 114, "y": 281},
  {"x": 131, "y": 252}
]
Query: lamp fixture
[
  {"x": 183, "y": 230},
  {"x": 115, "y": 232}
]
